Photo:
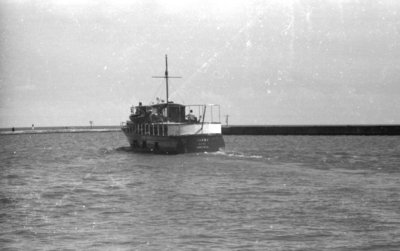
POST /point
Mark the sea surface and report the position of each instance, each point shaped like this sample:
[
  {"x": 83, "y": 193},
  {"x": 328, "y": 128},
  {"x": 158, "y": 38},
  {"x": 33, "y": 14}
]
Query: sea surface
[{"x": 88, "y": 191}]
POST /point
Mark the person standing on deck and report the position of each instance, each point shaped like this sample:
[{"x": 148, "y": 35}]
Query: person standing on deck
[{"x": 191, "y": 118}]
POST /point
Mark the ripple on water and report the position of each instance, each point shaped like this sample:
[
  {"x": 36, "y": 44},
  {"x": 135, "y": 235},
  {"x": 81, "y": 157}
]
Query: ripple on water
[{"x": 90, "y": 191}]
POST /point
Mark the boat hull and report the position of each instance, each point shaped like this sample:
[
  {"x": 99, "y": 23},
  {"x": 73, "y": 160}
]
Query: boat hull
[{"x": 175, "y": 144}]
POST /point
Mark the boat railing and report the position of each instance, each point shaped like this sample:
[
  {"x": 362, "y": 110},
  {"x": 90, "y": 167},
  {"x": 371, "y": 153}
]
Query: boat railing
[
  {"x": 206, "y": 113},
  {"x": 159, "y": 129},
  {"x": 172, "y": 129}
]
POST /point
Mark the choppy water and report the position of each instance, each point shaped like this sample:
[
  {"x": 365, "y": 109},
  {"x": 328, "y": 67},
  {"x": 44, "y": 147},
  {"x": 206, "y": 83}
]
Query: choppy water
[{"x": 87, "y": 191}]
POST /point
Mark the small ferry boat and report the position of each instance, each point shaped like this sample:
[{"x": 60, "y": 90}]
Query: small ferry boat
[{"x": 171, "y": 128}]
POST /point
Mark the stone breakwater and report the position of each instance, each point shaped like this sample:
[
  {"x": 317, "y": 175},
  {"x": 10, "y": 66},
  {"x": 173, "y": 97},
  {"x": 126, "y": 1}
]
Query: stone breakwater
[
  {"x": 312, "y": 130},
  {"x": 250, "y": 130},
  {"x": 16, "y": 132}
]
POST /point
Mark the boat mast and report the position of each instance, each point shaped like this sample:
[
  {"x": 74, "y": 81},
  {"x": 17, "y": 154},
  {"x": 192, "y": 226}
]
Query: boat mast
[{"x": 166, "y": 77}]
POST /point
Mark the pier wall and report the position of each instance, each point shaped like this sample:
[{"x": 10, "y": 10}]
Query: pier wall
[
  {"x": 246, "y": 130},
  {"x": 312, "y": 130}
]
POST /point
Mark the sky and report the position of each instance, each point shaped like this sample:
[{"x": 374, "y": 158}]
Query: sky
[{"x": 275, "y": 62}]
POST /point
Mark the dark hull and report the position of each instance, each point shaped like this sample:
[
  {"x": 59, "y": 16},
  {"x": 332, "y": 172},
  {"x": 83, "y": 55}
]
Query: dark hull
[{"x": 175, "y": 144}]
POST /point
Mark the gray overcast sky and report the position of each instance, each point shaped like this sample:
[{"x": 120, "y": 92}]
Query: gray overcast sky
[{"x": 64, "y": 63}]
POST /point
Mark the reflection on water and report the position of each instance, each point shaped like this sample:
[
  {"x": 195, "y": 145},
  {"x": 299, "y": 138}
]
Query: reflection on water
[{"x": 89, "y": 191}]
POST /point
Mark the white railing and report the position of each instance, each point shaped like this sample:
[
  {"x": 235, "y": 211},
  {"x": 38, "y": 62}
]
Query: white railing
[{"x": 209, "y": 113}]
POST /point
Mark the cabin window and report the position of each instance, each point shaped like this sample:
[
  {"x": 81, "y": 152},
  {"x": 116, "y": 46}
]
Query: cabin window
[
  {"x": 155, "y": 131},
  {"x": 176, "y": 113}
]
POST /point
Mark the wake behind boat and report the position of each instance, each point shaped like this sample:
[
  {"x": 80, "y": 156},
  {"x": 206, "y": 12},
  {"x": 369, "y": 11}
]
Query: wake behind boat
[{"x": 168, "y": 127}]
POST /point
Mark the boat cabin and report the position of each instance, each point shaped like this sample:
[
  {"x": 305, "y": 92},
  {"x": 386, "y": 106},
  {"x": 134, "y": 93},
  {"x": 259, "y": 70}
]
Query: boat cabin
[
  {"x": 175, "y": 113},
  {"x": 158, "y": 113}
]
